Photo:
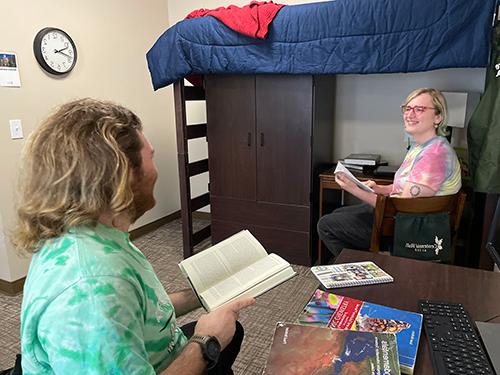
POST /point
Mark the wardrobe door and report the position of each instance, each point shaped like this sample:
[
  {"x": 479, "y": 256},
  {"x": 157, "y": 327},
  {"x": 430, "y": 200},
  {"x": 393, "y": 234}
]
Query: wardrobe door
[
  {"x": 284, "y": 121},
  {"x": 231, "y": 135}
]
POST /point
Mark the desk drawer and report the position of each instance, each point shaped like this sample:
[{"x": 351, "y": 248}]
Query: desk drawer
[{"x": 264, "y": 214}]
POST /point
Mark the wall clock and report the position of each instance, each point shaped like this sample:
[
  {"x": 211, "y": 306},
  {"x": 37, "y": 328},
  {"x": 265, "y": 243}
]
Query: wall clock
[{"x": 55, "y": 51}]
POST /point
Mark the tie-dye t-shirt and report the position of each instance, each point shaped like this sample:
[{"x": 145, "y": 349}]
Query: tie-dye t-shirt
[
  {"x": 93, "y": 305},
  {"x": 433, "y": 164}
]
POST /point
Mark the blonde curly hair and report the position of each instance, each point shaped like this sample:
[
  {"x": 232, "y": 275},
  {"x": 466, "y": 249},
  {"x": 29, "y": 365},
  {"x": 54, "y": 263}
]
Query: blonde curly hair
[{"x": 76, "y": 165}]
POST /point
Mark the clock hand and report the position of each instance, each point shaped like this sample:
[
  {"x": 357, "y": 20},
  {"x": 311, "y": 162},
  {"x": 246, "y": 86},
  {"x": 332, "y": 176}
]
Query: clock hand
[
  {"x": 60, "y": 50},
  {"x": 65, "y": 54}
]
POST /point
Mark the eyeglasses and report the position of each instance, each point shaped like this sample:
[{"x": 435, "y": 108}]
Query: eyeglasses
[{"x": 417, "y": 109}]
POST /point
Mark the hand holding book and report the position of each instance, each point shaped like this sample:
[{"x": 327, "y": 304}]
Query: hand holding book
[
  {"x": 379, "y": 189},
  {"x": 341, "y": 169},
  {"x": 221, "y": 322}
]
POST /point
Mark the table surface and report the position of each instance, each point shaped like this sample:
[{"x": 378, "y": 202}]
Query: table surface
[{"x": 477, "y": 290}]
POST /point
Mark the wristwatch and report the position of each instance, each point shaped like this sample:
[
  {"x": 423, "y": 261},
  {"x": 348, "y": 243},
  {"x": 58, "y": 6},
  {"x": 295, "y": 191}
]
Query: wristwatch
[{"x": 210, "y": 349}]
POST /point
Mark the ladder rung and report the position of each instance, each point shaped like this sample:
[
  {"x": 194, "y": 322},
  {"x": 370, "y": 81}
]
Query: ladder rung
[
  {"x": 201, "y": 235},
  {"x": 197, "y": 167},
  {"x": 200, "y": 201},
  {"x": 194, "y": 93},
  {"x": 196, "y": 131}
]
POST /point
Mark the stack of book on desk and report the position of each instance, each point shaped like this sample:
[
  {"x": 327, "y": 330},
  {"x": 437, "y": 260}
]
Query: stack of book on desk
[
  {"x": 334, "y": 311},
  {"x": 339, "y": 335},
  {"x": 364, "y": 163}
]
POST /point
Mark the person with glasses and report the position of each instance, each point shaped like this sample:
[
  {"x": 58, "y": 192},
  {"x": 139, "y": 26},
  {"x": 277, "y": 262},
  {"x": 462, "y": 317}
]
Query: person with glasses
[{"x": 430, "y": 168}]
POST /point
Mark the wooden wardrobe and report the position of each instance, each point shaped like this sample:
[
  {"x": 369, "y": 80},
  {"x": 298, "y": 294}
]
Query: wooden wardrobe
[{"x": 268, "y": 137}]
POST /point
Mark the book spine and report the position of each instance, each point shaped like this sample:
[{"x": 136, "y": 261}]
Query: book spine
[
  {"x": 360, "y": 162},
  {"x": 201, "y": 300},
  {"x": 362, "y": 282}
]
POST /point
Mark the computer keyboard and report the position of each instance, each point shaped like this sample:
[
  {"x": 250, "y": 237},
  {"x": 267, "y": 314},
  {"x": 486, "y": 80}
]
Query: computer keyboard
[{"x": 453, "y": 342}]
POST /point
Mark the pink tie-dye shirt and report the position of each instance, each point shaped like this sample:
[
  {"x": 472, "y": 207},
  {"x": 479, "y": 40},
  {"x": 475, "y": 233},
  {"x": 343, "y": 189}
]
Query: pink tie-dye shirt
[{"x": 433, "y": 164}]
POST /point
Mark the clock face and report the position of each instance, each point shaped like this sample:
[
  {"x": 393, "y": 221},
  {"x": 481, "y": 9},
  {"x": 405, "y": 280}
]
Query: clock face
[{"x": 55, "y": 51}]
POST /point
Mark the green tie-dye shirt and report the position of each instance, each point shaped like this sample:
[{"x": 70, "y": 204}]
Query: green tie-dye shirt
[{"x": 93, "y": 305}]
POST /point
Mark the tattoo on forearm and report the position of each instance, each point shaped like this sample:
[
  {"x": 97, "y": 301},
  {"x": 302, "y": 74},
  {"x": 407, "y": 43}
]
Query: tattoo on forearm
[{"x": 415, "y": 191}]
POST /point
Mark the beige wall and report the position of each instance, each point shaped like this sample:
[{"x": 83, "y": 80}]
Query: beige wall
[{"x": 112, "y": 38}]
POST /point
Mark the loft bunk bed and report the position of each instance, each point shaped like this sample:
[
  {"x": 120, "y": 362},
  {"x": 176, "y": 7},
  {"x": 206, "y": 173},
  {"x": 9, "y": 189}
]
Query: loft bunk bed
[{"x": 314, "y": 41}]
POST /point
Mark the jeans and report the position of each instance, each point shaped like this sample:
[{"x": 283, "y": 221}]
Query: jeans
[{"x": 347, "y": 227}]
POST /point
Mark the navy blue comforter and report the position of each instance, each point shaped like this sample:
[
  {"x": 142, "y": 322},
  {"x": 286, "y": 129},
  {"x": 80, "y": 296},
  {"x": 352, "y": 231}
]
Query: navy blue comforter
[{"x": 342, "y": 36}]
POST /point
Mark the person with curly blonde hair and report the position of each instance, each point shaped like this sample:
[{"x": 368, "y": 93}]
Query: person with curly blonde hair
[{"x": 92, "y": 302}]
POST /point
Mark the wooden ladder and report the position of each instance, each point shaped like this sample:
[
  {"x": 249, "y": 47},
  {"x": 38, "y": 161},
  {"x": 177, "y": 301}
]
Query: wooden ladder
[{"x": 187, "y": 170}]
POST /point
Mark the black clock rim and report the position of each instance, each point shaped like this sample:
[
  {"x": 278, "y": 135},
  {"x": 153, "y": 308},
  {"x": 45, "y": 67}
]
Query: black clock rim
[{"x": 38, "y": 52}]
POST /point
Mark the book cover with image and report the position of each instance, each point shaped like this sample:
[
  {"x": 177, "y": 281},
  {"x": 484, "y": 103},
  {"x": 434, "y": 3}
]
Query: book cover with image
[
  {"x": 299, "y": 349},
  {"x": 338, "y": 312},
  {"x": 350, "y": 274}
]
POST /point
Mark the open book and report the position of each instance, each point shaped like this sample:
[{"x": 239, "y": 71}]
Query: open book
[
  {"x": 237, "y": 267},
  {"x": 342, "y": 169}
]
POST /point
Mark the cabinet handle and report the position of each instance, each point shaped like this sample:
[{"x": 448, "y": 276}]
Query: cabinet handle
[
  {"x": 262, "y": 139},
  {"x": 249, "y": 139}
]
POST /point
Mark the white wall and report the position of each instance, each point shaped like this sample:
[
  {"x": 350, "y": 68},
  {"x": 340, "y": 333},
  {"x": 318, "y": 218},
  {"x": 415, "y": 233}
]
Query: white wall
[
  {"x": 4, "y": 260},
  {"x": 368, "y": 116},
  {"x": 112, "y": 38}
]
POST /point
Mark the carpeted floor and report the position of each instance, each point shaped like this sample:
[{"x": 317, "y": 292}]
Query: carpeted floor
[{"x": 163, "y": 248}]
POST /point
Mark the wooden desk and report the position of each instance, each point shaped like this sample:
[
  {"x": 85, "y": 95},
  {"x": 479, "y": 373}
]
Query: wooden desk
[
  {"x": 327, "y": 181},
  {"x": 477, "y": 290}
]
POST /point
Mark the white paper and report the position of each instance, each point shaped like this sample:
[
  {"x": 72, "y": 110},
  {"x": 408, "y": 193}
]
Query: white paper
[
  {"x": 342, "y": 169},
  {"x": 9, "y": 70}
]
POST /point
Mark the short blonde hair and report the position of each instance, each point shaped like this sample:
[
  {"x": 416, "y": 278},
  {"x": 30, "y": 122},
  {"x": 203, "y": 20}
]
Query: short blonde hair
[
  {"x": 440, "y": 105},
  {"x": 75, "y": 165}
]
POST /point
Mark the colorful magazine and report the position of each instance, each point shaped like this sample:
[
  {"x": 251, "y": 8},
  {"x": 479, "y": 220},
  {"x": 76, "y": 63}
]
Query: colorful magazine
[
  {"x": 350, "y": 274},
  {"x": 298, "y": 349},
  {"x": 338, "y": 312}
]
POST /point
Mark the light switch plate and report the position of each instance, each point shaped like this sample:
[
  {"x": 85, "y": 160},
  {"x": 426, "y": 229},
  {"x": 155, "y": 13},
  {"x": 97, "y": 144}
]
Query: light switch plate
[{"x": 16, "y": 129}]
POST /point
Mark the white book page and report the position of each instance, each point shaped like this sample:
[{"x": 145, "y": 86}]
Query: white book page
[
  {"x": 244, "y": 279},
  {"x": 219, "y": 262},
  {"x": 267, "y": 284},
  {"x": 342, "y": 169}
]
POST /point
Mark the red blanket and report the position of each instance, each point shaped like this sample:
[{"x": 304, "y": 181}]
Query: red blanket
[{"x": 252, "y": 20}]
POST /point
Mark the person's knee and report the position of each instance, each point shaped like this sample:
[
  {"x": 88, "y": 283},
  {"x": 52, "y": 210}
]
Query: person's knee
[
  {"x": 326, "y": 225},
  {"x": 322, "y": 225}
]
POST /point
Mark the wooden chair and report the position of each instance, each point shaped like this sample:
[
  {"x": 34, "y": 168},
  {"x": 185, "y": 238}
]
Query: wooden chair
[{"x": 387, "y": 207}]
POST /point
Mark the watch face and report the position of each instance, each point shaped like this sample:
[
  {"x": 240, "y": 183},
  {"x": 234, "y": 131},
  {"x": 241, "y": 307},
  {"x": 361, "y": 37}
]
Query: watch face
[
  {"x": 55, "y": 51},
  {"x": 213, "y": 349}
]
